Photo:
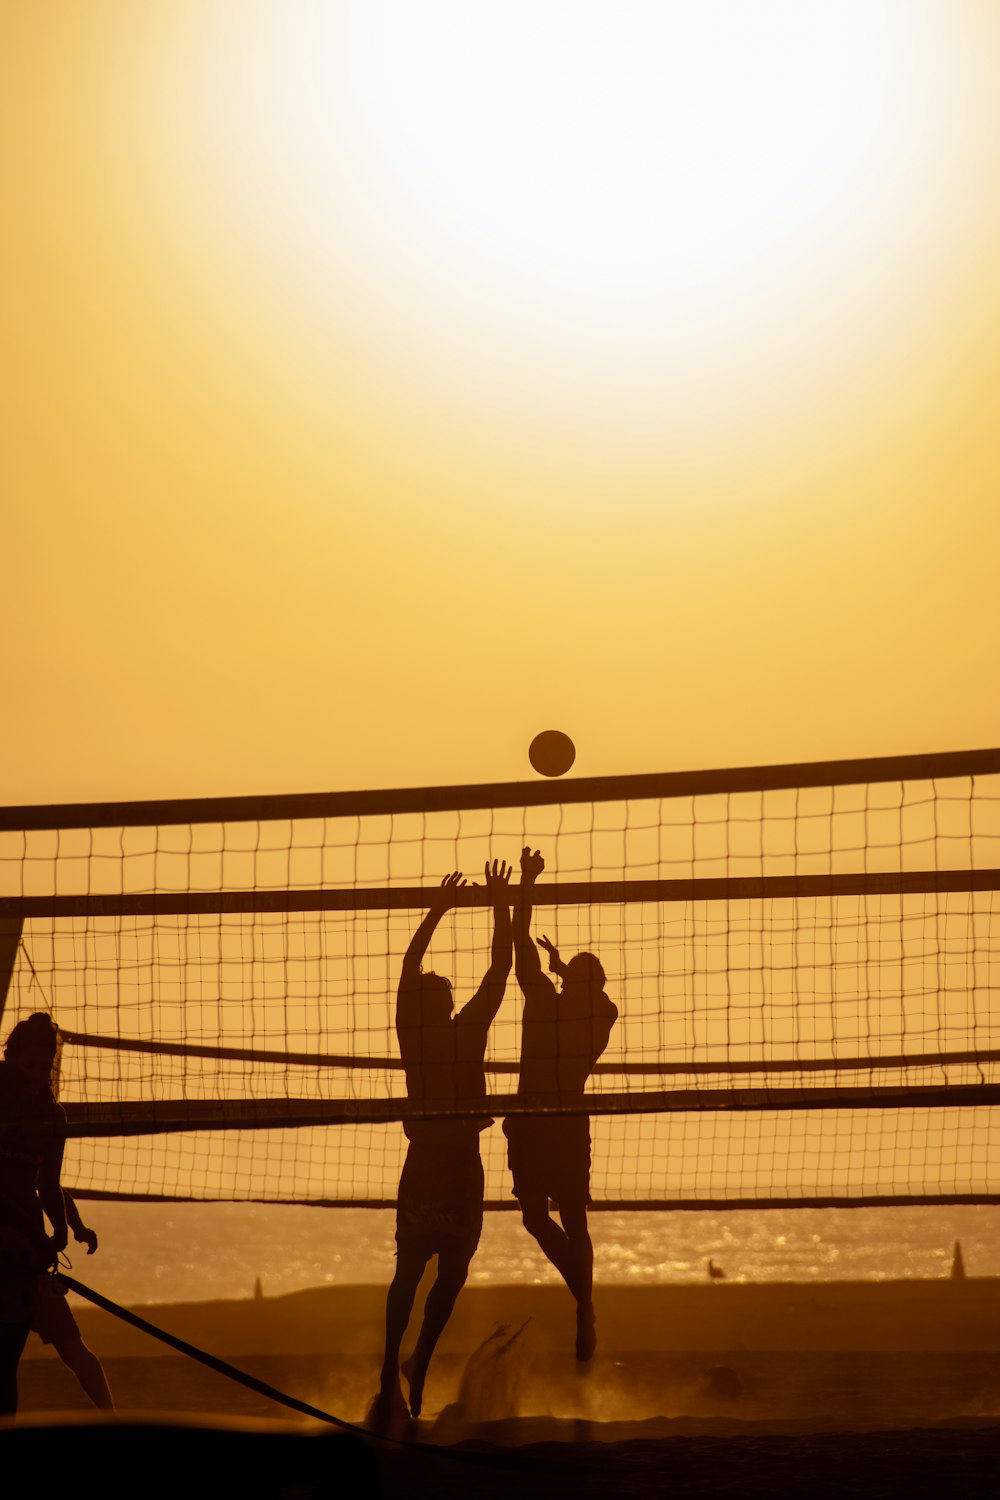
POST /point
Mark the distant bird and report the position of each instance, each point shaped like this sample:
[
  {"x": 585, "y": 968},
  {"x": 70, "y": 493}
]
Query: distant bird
[{"x": 715, "y": 1273}]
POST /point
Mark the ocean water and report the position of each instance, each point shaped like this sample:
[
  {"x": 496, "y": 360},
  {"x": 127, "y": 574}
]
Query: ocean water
[{"x": 198, "y": 1252}]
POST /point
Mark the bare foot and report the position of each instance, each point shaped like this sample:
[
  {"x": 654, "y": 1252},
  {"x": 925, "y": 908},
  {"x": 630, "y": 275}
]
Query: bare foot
[
  {"x": 586, "y": 1332},
  {"x": 415, "y": 1380}
]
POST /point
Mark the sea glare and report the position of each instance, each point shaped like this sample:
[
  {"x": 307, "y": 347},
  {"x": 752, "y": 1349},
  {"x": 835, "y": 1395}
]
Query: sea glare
[{"x": 150, "y": 1253}]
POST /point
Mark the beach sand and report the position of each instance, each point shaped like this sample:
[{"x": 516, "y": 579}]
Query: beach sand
[{"x": 751, "y": 1390}]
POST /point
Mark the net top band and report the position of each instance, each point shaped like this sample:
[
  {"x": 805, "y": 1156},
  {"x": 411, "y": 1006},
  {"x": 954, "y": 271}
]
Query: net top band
[{"x": 666, "y": 784}]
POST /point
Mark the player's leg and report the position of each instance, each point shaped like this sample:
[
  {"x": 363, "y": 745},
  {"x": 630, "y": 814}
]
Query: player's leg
[
  {"x": 55, "y": 1324},
  {"x": 410, "y": 1263},
  {"x": 529, "y": 1156},
  {"x": 13, "y": 1337},
  {"x": 579, "y": 1249},
  {"x": 388, "y": 1412},
  {"x": 452, "y": 1273},
  {"x": 551, "y": 1238},
  {"x": 580, "y": 1253},
  {"x": 85, "y": 1365}
]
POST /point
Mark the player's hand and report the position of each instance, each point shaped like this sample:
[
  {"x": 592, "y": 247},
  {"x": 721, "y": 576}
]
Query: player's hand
[
  {"x": 552, "y": 951},
  {"x": 498, "y": 878},
  {"x": 444, "y": 896},
  {"x": 532, "y": 864},
  {"x": 85, "y": 1236}
]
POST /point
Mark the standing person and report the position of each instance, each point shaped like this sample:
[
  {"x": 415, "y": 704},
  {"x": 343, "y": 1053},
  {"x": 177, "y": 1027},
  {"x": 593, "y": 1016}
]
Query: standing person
[
  {"x": 54, "y": 1323},
  {"x": 563, "y": 1033},
  {"x": 32, "y": 1137},
  {"x": 440, "y": 1200}
]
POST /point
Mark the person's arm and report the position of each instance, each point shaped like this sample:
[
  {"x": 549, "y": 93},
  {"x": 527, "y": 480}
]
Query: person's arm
[
  {"x": 556, "y": 965},
  {"x": 50, "y": 1193},
  {"x": 81, "y": 1233},
  {"x": 442, "y": 899},
  {"x": 485, "y": 1003},
  {"x": 527, "y": 964}
]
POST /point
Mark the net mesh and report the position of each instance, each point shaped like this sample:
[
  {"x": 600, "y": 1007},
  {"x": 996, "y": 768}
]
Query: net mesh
[{"x": 804, "y": 960}]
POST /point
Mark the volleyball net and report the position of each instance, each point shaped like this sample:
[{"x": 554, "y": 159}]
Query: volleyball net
[{"x": 805, "y": 961}]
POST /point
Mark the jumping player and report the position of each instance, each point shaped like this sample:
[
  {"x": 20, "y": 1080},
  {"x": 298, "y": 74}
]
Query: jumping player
[
  {"x": 440, "y": 1200},
  {"x": 563, "y": 1033}
]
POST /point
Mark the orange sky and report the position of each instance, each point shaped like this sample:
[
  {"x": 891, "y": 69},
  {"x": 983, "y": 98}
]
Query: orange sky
[{"x": 362, "y": 421}]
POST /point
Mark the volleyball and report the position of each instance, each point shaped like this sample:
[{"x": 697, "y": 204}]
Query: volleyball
[{"x": 552, "y": 753}]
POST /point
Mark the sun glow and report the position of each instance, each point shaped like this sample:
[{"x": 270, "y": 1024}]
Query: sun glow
[
  {"x": 608, "y": 153},
  {"x": 627, "y": 197}
]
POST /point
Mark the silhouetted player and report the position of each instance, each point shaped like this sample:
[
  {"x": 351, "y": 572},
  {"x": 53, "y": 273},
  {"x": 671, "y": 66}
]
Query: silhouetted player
[
  {"x": 563, "y": 1033},
  {"x": 440, "y": 1200},
  {"x": 32, "y": 1135}
]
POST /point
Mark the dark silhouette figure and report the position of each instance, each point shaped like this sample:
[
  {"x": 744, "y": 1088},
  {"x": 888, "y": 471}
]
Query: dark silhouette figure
[
  {"x": 715, "y": 1273},
  {"x": 54, "y": 1323},
  {"x": 563, "y": 1033},
  {"x": 32, "y": 1137},
  {"x": 440, "y": 1201}
]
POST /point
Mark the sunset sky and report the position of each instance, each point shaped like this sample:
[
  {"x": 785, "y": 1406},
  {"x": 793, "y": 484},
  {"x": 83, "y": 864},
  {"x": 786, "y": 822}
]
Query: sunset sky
[{"x": 383, "y": 383}]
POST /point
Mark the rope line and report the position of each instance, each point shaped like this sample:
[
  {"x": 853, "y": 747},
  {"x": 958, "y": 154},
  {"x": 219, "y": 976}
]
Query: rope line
[
  {"x": 260, "y": 1387},
  {"x": 221, "y": 1366},
  {"x": 873, "y": 1062}
]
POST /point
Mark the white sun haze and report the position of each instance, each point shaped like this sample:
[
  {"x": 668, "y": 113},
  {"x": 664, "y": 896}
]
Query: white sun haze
[
  {"x": 603, "y": 150},
  {"x": 596, "y": 186}
]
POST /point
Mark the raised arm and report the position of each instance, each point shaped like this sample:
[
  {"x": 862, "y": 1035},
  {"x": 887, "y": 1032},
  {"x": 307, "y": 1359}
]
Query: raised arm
[
  {"x": 443, "y": 898},
  {"x": 527, "y": 964},
  {"x": 488, "y": 998}
]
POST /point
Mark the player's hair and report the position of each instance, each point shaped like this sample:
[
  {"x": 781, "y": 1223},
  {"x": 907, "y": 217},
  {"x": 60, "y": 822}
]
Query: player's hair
[
  {"x": 37, "y": 1030},
  {"x": 585, "y": 968},
  {"x": 436, "y": 992}
]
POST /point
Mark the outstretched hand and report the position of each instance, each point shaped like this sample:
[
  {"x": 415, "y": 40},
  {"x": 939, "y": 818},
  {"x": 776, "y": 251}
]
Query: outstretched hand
[
  {"x": 444, "y": 896},
  {"x": 498, "y": 878},
  {"x": 556, "y": 964},
  {"x": 532, "y": 864}
]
